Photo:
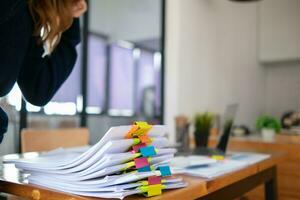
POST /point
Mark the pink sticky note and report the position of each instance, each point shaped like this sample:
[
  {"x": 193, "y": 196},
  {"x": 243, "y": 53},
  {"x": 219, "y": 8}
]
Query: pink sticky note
[
  {"x": 141, "y": 162},
  {"x": 137, "y": 147},
  {"x": 154, "y": 180}
]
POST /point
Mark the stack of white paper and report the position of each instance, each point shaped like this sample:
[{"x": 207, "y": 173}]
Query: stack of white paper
[{"x": 109, "y": 169}]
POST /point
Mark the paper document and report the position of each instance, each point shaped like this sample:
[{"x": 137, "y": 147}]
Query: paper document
[
  {"x": 206, "y": 167},
  {"x": 127, "y": 160}
]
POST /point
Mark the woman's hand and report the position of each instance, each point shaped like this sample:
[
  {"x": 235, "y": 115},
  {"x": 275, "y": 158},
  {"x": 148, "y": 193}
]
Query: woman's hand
[{"x": 79, "y": 8}]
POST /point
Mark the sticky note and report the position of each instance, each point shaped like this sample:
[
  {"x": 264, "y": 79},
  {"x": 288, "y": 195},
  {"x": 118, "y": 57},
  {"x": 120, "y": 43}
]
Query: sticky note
[
  {"x": 165, "y": 171},
  {"x": 148, "y": 151},
  {"x": 143, "y": 128},
  {"x": 218, "y": 157},
  {"x": 138, "y": 129},
  {"x": 129, "y": 165},
  {"x": 154, "y": 180},
  {"x": 136, "y": 148},
  {"x": 143, "y": 183},
  {"x": 154, "y": 190},
  {"x": 130, "y": 133},
  {"x": 136, "y": 141},
  {"x": 145, "y": 139},
  {"x": 141, "y": 162},
  {"x": 145, "y": 169}
]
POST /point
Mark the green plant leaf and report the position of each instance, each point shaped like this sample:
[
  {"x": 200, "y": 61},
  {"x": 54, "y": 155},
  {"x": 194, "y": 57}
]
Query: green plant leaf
[{"x": 268, "y": 122}]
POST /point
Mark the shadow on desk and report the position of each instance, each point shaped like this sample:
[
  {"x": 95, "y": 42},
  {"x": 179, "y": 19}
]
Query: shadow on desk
[{"x": 10, "y": 197}]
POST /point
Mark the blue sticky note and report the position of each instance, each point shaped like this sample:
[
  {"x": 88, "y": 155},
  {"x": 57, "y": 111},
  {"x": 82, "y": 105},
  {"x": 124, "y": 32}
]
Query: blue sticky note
[
  {"x": 148, "y": 151},
  {"x": 165, "y": 171},
  {"x": 145, "y": 169}
]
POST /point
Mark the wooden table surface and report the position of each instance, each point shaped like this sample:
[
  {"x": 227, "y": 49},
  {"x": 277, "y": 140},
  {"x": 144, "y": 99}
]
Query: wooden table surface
[
  {"x": 12, "y": 182},
  {"x": 288, "y": 171}
]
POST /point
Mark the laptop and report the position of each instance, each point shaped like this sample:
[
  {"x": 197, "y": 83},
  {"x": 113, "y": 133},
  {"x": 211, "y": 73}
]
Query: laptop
[{"x": 221, "y": 147}]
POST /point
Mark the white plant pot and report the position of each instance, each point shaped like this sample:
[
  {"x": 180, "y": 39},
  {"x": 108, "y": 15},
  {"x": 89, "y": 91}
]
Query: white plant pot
[{"x": 268, "y": 134}]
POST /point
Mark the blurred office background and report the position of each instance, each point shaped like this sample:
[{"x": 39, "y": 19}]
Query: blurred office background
[
  {"x": 117, "y": 78},
  {"x": 154, "y": 60}
]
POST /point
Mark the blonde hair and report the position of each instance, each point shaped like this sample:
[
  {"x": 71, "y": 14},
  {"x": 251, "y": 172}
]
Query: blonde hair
[{"x": 51, "y": 18}]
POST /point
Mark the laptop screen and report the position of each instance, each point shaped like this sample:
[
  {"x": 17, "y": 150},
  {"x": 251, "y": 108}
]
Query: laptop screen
[{"x": 229, "y": 118}]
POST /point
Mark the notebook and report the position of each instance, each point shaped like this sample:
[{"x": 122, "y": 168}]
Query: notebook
[{"x": 127, "y": 160}]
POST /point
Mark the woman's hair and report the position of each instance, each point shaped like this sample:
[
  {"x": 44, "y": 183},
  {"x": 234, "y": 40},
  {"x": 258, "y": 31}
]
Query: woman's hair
[{"x": 51, "y": 18}]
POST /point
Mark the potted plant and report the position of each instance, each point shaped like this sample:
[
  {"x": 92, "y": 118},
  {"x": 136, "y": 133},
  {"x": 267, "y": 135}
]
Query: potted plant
[
  {"x": 203, "y": 123},
  {"x": 268, "y": 126}
]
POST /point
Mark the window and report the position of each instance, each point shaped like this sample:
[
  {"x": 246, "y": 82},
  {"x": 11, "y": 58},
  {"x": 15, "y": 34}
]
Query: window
[
  {"x": 148, "y": 96},
  {"x": 96, "y": 85},
  {"x": 158, "y": 83},
  {"x": 67, "y": 99},
  {"x": 133, "y": 81},
  {"x": 121, "y": 79},
  {"x": 146, "y": 81}
]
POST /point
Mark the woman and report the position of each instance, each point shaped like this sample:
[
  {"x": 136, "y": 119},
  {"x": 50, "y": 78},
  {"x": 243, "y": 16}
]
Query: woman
[{"x": 28, "y": 30}]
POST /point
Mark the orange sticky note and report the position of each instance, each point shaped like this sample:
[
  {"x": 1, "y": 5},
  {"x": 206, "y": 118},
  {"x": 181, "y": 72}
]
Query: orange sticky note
[
  {"x": 145, "y": 139},
  {"x": 133, "y": 129}
]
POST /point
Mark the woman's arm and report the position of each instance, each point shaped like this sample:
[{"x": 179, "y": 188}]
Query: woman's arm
[{"x": 40, "y": 78}]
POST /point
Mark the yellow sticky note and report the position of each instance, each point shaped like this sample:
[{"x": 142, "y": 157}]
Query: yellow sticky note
[
  {"x": 129, "y": 165},
  {"x": 218, "y": 157},
  {"x": 144, "y": 183},
  {"x": 143, "y": 128},
  {"x": 154, "y": 190}
]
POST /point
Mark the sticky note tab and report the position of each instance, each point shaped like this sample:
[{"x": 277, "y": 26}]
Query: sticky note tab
[
  {"x": 136, "y": 141},
  {"x": 145, "y": 139},
  {"x": 129, "y": 165},
  {"x": 165, "y": 171},
  {"x": 144, "y": 183},
  {"x": 143, "y": 128},
  {"x": 154, "y": 180},
  {"x": 148, "y": 151},
  {"x": 138, "y": 129},
  {"x": 145, "y": 169},
  {"x": 154, "y": 190},
  {"x": 141, "y": 162},
  {"x": 218, "y": 157},
  {"x": 130, "y": 133},
  {"x": 136, "y": 148}
]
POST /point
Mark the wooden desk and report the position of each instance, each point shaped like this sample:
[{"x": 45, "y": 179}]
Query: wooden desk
[
  {"x": 288, "y": 171},
  {"x": 228, "y": 186}
]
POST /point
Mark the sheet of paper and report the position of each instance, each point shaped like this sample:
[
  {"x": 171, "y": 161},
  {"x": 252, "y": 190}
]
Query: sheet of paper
[
  {"x": 108, "y": 169},
  {"x": 231, "y": 163},
  {"x": 248, "y": 157},
  {"x": 114, "y": 133},
  {"x": 128, "y": 189},
  {"x": 45, "y": 163},
  {"x": 191, "y": 161}
]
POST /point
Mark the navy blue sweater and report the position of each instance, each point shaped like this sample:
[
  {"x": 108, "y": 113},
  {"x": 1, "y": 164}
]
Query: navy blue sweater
[{"x": 21, "y": 58}]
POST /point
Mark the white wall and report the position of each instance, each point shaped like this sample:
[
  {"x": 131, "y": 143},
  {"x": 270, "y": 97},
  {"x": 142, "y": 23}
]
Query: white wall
[
  {"x": 212, "y": 59},
  {"x": 279, "y": 30},
  {"x": 282, "y": 87}
]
